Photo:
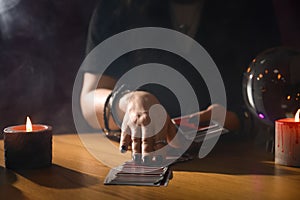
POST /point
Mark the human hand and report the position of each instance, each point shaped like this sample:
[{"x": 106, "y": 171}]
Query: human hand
[
  {"x": 231, "y": 121},
  {"x": 146, "y": 126}
]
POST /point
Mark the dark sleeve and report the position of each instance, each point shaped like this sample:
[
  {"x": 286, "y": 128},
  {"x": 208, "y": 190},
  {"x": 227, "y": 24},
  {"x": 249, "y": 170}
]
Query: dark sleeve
[{"x": 107, "y": 20}]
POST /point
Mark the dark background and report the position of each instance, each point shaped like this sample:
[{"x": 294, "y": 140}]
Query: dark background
[{"x": 42, "y": 44}]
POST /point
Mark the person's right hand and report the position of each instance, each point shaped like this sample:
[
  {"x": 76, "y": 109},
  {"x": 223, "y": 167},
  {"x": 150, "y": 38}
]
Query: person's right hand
[{"x": 146, "y": 126}]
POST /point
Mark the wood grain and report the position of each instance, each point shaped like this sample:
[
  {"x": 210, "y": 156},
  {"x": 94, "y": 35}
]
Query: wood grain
[{"x": 233, "y": 170}]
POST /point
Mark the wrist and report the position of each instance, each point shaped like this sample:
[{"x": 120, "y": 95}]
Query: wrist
[{"x": 118, "y": 103}]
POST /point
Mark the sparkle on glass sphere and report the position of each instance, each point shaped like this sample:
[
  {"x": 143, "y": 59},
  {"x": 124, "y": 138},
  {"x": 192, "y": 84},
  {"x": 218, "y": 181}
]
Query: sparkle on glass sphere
[{"x": 271, "y": 84}]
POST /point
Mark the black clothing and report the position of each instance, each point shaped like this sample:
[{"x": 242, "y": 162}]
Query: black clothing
[{"x": 232, "y": 32}]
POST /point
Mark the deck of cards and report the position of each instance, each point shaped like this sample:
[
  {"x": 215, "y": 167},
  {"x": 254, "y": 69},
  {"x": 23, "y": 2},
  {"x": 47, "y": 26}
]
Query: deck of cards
[{"x": 131, "y": 173}]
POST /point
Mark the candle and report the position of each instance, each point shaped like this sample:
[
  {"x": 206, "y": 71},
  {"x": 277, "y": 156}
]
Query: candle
[
  {"x": 28, "y": 146},
  {"x": 287, "y": 141}
]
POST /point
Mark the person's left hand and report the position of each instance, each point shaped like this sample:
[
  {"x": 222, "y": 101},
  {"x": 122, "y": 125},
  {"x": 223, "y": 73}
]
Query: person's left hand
[{"x": 230, "y": 120}]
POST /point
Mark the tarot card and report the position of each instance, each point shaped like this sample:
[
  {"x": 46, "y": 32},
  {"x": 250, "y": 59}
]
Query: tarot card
[
  {"x": 193, "y": 130},
  {"x": 131, "y": 173}
]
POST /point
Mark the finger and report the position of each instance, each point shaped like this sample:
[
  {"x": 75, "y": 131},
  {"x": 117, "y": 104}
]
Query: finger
[
  {"x": 152, "y": 123},
  {"x": 125, "y": 135},
  {"x": 175, "y": 137},
  {"x": 125, "y": 141},
  {"x": 160, "y": 141},
  {"x": 136, "y": 143},
  {"x": 147, "y": 144},
  {"x": 158, "y": 118},
  {"x": 171, "y": 133},
  {"x": 194, "y": 119},
  {"x": 205, "y": 115}
]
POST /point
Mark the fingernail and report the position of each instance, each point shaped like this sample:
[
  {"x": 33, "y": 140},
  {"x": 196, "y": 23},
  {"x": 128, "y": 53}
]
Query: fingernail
[
  {"x": 146, "y": 160},
  {"x": 158, "y": 159},
  {"x": 123, "y": 149},
  {"x": 136, "y": 158}
]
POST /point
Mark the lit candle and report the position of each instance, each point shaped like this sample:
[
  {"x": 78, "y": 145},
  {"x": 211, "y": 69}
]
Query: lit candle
[
  {"x": 28, "y": 146},
  {"x": 287, "y": 141}
]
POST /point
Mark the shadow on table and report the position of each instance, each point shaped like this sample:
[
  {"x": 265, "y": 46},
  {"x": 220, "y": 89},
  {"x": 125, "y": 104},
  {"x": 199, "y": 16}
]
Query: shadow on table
[
  {"x": 236, "y": 158},
  {"x": 7, "y": 190},
  {"x": 58, "y": 177},
  {"x": 7, "y": 177}
]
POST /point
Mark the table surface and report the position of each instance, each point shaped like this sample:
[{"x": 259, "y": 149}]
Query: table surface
[{"x": 233, "y": 170}]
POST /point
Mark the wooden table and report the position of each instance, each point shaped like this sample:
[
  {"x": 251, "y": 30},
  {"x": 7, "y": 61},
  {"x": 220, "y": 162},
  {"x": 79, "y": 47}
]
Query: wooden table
[{"x": 233, "y": 170}]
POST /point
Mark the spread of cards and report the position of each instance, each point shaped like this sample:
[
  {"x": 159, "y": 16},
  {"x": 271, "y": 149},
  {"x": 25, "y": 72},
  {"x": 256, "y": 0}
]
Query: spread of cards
[
  {"x": 131, "y": 173},
  {"x": 188, "y": 127}
]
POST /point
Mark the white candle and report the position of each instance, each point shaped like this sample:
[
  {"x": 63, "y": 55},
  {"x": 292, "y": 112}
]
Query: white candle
[{"x": 287, "y": 141}]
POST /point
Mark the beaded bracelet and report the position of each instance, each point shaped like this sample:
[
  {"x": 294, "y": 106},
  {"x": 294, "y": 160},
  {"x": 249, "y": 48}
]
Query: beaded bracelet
[
  {"x": 109, "y": 109},
  {"x": 115, "y": 99},
  {"x": 106, "y": 113}
]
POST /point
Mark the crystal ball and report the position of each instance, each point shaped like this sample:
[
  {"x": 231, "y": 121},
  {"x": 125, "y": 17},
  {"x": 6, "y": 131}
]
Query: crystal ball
[{"x": 271, "y": 84}]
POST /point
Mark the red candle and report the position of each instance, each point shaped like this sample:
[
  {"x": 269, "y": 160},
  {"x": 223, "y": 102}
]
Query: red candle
[
  {"x": 28, "y": 146},
  {"x": 287, "y": 141}
]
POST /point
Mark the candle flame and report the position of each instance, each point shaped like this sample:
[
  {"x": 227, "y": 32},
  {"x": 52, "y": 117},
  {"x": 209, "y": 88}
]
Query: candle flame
[
  {"x": 297, "y": 116},
  {"x": 28, "y": 125}
]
